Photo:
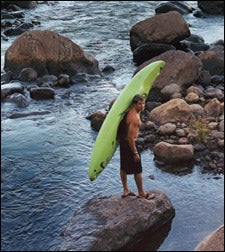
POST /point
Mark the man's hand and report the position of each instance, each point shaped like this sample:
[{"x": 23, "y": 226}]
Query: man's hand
[{"x": 137, "y": 157}]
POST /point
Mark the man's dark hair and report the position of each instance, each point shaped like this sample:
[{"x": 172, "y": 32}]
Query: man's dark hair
[{"x": 137, "y": 98}]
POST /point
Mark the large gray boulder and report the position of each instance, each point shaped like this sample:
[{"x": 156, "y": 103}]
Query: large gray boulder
[
  {"x": 174, "y": 153},
  {"x": 212, "y": 7},
  {"x": 21, "y": 4},
  {"x": 167, "y": 28},
  {"x": 48, "y": 53},
  {"x": 173, "y": 111},
  {"x": 212, "y": 61},
  {"x": 181, "y": 68},
  {"x": 112, "y": 223},
  {"x": 181, "y": 6}
]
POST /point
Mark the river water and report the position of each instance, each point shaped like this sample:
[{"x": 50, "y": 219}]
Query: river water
[{"x": 45, "y": 158}]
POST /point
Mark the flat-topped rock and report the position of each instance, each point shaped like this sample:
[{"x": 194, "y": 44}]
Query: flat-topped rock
[{"x": 112, "y": 222}]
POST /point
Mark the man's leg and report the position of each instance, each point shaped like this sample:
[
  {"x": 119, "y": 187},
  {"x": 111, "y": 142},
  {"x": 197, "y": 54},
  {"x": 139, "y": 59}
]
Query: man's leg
[
  {"x": 138, "y": 180},
  {"x": 139, "y": 183},
  {"x": 123, "y": 177}
]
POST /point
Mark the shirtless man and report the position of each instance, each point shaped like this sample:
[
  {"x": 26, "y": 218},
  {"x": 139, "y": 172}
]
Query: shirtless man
[{"x": 130, "y": 160}]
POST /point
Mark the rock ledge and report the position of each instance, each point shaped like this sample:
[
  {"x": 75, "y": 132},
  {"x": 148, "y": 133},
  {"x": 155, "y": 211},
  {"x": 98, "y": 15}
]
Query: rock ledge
[{"x": 111, "y": 223}]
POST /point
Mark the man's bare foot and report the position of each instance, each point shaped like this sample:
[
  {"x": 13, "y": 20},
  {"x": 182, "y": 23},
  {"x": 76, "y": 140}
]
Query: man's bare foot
[
  {"x": 130, "y": 193},
  {"x": 148, "y": 196}
]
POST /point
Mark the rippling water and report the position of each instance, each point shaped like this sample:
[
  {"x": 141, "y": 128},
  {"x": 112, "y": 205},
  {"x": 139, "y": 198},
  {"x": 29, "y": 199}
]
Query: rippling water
[{"x": 45, "y": 158}]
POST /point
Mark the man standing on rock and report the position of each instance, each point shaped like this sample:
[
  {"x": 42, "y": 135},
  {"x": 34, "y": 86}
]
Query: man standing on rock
[{"x": 130, "y": 159}]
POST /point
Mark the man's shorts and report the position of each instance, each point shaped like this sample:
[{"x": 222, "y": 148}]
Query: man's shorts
[{"x": 128, "y": 163}]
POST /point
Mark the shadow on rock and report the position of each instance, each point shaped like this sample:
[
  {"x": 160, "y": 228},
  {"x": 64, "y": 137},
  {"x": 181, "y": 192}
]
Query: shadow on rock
[{"x": 150, "y": 240}]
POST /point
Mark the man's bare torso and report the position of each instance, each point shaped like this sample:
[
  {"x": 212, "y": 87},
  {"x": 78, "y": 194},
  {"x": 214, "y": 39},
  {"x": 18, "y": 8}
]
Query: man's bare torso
[{"x": 133, "y": 121}]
